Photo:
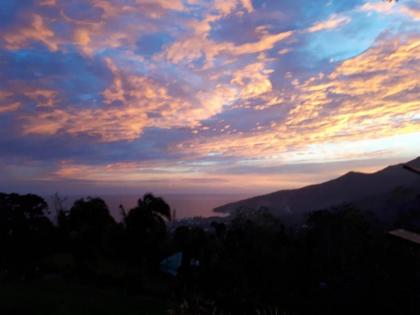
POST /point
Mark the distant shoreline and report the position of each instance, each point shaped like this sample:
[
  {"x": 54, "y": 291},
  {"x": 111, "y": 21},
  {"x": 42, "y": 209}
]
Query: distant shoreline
[{"x": 187, "y": 206}]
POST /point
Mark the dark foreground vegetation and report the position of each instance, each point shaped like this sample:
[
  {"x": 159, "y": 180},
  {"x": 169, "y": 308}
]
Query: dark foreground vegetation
[{"x": 81, "y": 261}]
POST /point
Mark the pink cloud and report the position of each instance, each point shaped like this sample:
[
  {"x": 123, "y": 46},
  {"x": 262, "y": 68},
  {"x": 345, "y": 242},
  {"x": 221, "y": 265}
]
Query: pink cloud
[
  {"x": 37, "y": 30},
  {"x": 370, "y": 105},
  {"x": 333, "y": 22}
]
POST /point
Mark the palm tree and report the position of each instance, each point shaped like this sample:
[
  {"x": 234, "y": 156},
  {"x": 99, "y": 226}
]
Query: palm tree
[{"x": 150, "y": 210}]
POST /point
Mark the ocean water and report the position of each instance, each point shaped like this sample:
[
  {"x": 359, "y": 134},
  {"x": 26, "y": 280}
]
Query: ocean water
[{"x": 186, "y": 206}]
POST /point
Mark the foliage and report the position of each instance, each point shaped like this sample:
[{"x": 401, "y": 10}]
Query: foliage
[
  {"x": 24, "y": 229},
  {"x": 341, "y": 261}
]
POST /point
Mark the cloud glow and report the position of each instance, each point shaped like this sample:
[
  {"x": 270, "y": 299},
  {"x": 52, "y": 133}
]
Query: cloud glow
[{"x": 164, "y": 94}]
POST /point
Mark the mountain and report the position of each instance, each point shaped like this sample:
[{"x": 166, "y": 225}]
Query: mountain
[{"x": 353, "y": 187}]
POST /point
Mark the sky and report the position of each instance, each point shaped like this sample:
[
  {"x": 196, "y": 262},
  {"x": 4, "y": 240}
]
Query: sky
[{"x": 211, "y": 96}]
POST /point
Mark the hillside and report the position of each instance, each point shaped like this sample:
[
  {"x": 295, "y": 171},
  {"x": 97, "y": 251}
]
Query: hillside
[{"x": 351, "y": 187}]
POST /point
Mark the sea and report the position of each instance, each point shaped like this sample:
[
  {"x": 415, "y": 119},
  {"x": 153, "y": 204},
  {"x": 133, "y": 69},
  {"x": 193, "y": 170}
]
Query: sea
[{"x": 183, "y": 205}]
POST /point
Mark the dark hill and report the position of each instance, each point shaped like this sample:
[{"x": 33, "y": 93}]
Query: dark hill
[{"x": 348, "y": 188}]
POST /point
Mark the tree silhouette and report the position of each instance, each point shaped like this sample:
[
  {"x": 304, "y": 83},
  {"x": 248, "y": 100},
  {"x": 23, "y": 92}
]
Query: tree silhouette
[
  {"x": 89, "y": 226},
  {"x": 24, "y": 228},
  {"x": 150, "y": 214},
  {"x": 146, "y": 225},
  {"x": 90, "y": 213}
]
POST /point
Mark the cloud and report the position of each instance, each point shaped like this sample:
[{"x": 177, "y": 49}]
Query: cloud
[
  {"x": 176, "y": 5},
  {"x": 196, "y": 43},
  {"x": 409, "y": 10},
  {"x": 37, "y": 30},
  {"x": 166, "y": 177},
  {"x": 5, "y": 108},
  {"x": 333, "y": 22},
  {"x": 82, "y": 39},
  {"x": 4, "y": 95},
  {"x": 184, "y": 92},
  {"x": 253, "y": 80},
  {"x": 131, "y": 103},
  {"x": 6, "y": 104},
  {"x": 47, "y": 2},
  {"x": 413, "y": 12},
  {"x": 379, "y": 7},
  {"x": 192, "y": 48},
  {"x": 108, "y": 125},
  {"x": 43, "y": 97},
  {"x": 372, "y": 96},
  {"x": 91, "y": 26}
]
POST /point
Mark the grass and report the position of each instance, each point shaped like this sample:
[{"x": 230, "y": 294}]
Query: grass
[{"x": 57, "y": 297}]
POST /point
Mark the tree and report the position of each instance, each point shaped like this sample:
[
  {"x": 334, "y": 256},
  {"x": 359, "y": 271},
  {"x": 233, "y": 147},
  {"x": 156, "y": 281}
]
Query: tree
[
  {"x": 60, "y": 211},
  {"x": 149, "y": 216},
  {"x": 90, "y": 213},
  {"x": 146, "y": 224},
  {"x": 340, "y": 251},
  {"x": 25, "y": 229},
  {"x": 89, "y": 226}
]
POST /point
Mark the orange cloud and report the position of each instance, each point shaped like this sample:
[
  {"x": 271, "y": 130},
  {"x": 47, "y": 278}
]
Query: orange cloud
[
  {"x": 193, "y": 48},
  {"x": 253, "y": 80},
  {"x": 414, "y": 13},
  {"x": 164, "y": 175},
  {"x": 47, "y": 2},
  {"x": 226, "y": 7},
  {"x": 198, "y": 44},
  {"x": 392, "y": 9},
  {"x": 36, "y": 31},
  {"x": 380, "y": 7},
  {"x": 7, "y": 105},
  {"x": 169, "y": 176},
  {"x": 139, "y": 96},
  {"x": 5, "y": 108},
  {"x": 108, "y": 125},
  {"x": 333, "y": 22},
  {"x": 43, "y": 97},
  {"x": 372, "y": 96},
  {"x": 134, "y": 102},
  {"x": 175, "y": 5},
  {"x": 4, "y": 95},
  {"x": 111, "y": 29},
  {"x": 82, "y": 39},
  {"x": 116, "y": 91}
]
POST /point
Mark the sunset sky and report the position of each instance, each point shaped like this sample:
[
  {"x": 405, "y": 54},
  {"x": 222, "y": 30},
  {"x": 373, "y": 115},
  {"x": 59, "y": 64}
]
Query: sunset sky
[{"x": 100, "y": 96}]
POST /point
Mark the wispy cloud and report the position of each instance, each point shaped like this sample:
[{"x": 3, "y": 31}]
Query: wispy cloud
[{"x": 332, "y": 23}]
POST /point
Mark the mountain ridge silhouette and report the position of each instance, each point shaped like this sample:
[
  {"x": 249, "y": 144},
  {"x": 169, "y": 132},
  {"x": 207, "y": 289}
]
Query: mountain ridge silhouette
[{"x": 348, "y": 188}]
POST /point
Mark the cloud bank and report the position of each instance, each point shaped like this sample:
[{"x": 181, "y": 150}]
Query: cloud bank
[{"x": 165, "y": 94}]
